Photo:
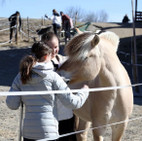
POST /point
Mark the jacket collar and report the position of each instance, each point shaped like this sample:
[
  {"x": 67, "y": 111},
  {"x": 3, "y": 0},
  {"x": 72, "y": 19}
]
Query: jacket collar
[{"x": 41, "y": 68}]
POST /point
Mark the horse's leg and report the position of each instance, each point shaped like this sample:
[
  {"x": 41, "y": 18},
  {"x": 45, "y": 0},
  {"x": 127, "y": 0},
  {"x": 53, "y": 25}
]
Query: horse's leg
[
  {"x": 98, "y": 133},
  {"x": 117, "y": 131},
  {"x": 82, "y": 125},
  {"x": 99, "y": 120}
]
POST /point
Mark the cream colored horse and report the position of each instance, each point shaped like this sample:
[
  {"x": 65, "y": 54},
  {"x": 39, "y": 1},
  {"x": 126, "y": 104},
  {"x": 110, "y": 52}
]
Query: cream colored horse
[{"x": 93, "y": 61}]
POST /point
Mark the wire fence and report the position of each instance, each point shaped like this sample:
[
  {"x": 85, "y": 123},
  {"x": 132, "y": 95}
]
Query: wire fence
[
  {"x": 28, "y": 29},
  {"x": 10, "y": 120},
  {"x": 4, "y": 29}
]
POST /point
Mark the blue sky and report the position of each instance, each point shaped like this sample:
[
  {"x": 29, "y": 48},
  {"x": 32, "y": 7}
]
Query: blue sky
[{"x": 115, "y": 9}]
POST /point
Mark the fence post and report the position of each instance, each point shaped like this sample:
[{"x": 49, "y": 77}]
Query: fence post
[
  {"x": 17, "y": 29},
  {"x": 28, "y": 28},
  {"x": 21, "y": 123},
  {"x": 22, "y": 29},
  {"x": 42, "y": 21},
  {"x": 75, "y": 22}
]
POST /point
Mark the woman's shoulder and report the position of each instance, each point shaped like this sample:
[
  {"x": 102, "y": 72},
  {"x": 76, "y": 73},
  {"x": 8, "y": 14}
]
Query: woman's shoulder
[
  {"x": 17, "y": 81},
  {"x": 17, "y": 77},
  {"x": 52, "y": 74},
  {"x": 54, "y": 77}
]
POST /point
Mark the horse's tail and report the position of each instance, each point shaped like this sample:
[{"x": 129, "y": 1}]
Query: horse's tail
[{"x": 112, "y": 37}]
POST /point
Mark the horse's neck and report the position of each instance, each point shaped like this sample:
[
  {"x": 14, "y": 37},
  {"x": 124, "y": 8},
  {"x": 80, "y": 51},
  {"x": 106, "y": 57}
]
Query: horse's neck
[{"x": 107, "y": 74}]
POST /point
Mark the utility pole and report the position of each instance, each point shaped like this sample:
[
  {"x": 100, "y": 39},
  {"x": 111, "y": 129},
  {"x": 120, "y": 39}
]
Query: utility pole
[{"x": 134, "y": 51}]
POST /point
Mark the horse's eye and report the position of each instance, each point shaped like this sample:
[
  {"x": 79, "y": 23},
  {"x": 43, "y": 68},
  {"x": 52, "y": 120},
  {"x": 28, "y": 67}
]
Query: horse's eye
[{"x": 86, "y": 58}]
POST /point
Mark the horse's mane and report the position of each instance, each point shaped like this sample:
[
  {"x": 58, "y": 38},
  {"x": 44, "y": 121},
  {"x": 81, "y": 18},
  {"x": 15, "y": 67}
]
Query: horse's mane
[
  {"x": 112, "y": 37},
  {"x": 76, "y": 43}
]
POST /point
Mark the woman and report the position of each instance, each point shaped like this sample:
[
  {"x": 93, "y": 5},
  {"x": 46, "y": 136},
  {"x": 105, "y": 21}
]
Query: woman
[
  {"x": 66, "y": 25},
  {"x": 36, "y": 74},
  {"x": 66, "y": 118},
  {"x": 56, "y": 21}
]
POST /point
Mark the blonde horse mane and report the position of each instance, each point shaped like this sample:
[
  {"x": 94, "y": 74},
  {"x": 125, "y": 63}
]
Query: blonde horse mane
[
  {"x": 76, "y": 43},
  {"x": 112, "y": 37},
  {"x": 74, "y": 46}
]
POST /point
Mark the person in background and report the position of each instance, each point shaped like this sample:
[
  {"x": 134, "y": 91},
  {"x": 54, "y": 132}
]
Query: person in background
[
  {"x": 13, "y": 22},
  {"x": 52, "y": 41},
  {"x": 125, "y": 19},
  {"x": 56, "y": 21},
  {"x": 66, "y": 118},
  {"x": 66, "y": 25},
  {"x": 41, "y": 112}
]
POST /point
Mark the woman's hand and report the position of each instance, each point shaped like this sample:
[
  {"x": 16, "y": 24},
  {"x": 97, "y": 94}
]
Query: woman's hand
[{"x": 85, "y": 86}]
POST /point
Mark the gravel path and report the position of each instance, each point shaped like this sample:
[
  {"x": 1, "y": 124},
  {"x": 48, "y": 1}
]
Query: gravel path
[{"x": 9, "y": 123}]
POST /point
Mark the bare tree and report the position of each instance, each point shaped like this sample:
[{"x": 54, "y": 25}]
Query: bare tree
[
  {"x": 96, "y": 17},
  {"x": 90, "y": 17},
  {"x": 102, "y": 16},
  {"x": 3, "y": 2},
  {"x": 72, "y": 11},
  {"x": 84, "y": 16}
]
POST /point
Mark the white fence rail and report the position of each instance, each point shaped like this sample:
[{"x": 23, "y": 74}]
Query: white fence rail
[{"x": 23, "y": 93}]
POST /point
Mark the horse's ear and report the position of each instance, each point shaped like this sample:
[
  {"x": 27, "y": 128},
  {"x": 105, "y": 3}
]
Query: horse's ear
[
  {"x": 78, "y": 31},
  {"x": 95, "y": 41}
]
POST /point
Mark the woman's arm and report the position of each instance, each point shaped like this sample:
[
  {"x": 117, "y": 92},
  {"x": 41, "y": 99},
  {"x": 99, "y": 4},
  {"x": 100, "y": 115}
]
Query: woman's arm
[
  {"x": 13, "y": 102},
  {"x": 68, "y": 99}
]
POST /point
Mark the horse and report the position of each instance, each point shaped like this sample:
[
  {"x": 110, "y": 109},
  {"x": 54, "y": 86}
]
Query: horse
[{"x": 92, "y": 60}]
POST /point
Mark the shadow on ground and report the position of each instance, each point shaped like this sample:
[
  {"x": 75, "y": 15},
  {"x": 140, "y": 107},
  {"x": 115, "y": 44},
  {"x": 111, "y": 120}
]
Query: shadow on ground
[
  {"x": 138, "y": 100},
  {"x": 9, "y": 64},
  {"x": 119, "y": 25},
  {"x": 10, "y": 59}
]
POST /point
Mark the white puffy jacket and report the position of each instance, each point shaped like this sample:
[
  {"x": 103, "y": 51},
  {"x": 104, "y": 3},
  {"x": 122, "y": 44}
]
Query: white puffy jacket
[{"x": 41, "y": 116}]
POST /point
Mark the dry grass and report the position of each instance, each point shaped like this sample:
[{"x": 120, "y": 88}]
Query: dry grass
[{"x": 34, "y": 24}]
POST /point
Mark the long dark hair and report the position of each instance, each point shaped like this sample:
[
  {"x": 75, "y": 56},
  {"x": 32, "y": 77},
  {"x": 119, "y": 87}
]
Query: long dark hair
[{"x": 39, "y": 50}]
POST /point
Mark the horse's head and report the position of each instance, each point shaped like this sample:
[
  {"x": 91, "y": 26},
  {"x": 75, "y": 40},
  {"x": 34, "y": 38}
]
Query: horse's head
[{"x": 84, "y": 57}]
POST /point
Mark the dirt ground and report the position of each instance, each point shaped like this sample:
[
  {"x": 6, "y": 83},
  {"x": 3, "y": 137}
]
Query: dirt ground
[
  {"x": 9, "y": 122},
  {"x": 10, "y": 56}
]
